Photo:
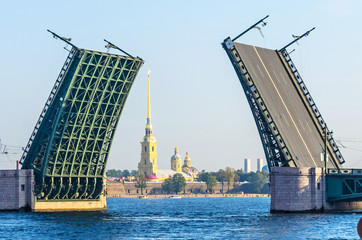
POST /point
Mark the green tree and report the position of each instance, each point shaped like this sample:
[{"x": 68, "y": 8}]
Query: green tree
[
  {"x": 125, "y": 173},
  {"x": 203, "y": 175},
  {"x": 211, "y": 182},
  {"x": 241, "y": 175},
  {"x": 141, "y": 182},
  {"x": 221, "y": 177},
  {"x": 109, "y": 172},
  {"x": 114, "y": 173},
  {"x": 178, "y": 182},
  {"x": 230, "y": 176},
  {"x": 257, "y": 181},
  {"x": 134, "y": 173},
  {"x": 167, "y": 185},
  {"x": 237, "y": 177}
]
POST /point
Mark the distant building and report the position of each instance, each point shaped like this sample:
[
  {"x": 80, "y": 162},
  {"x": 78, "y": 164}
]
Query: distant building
[
  {"x": 259, "y": 164},
  {"x": 148, "y": 162},
  {"x": 265, "y": 168},
  {"x": 247, "y": 165},
  {"x": 176, "y": 161},
  {"x": 188, "y": 168}
]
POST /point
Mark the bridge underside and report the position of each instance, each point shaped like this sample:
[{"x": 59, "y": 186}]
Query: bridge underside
[
  {"x": 69, "y": 146},
  {"x": 289, "y": 123}
]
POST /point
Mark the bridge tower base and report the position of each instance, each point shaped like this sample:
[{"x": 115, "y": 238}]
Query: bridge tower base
[
  {"x": 297, "y": 189},
  {"x": 303, "y": 189}
]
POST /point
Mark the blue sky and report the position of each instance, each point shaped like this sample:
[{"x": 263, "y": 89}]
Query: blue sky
[{"x": 197, "y": 101}]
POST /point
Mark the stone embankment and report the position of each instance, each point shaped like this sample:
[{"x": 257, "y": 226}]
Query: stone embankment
[
  {"x": 192, "y": 195},
  {"x": 154, "y": 190}
]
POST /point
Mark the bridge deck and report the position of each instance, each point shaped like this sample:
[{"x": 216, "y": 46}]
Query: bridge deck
[{"x": 281, "y": 97}]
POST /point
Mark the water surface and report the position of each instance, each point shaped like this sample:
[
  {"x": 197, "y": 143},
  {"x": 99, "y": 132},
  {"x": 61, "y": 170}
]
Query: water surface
[{"x": 186, "y": 218}]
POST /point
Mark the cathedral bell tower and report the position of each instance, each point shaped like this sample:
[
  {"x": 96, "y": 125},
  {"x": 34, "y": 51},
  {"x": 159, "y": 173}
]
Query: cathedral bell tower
[
  {"x": 176, "y": 161},
  {"x": 187, "y": 162},
  {"x": 148, "y": 162}
]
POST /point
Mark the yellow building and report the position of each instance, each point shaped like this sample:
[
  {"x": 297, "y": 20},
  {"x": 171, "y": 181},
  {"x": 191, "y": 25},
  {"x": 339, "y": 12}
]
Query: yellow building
[
  {"x": 148, "y": 161},
  {"x": 176, "y": 161},
  {"x": 188, "y": 168}
]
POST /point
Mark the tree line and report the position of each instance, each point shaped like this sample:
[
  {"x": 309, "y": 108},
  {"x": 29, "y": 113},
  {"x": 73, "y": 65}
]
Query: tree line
[
  {"x": 172, "y": 184},
  {"x": 257, "y": 181},
  {"x": 118, "y": 173}
]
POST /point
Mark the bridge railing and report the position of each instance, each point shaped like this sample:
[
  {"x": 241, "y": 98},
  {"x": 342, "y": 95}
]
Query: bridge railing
[
  {"x": 50, "y": 99},
  {"x": 344, "y": 185},
  {"x": 334, "y": 171},
  {"x": 312, "y": 104}
]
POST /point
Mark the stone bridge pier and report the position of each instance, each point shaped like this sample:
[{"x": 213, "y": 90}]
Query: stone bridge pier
[{"x": 303, "y": 189}]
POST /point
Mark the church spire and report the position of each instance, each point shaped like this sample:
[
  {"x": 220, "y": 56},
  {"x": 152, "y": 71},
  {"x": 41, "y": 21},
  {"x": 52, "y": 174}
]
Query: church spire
[
  {"x": 148, "y": 162},
  {"x": 148, "y": 100},
  {"x": 149, "y": 125}
]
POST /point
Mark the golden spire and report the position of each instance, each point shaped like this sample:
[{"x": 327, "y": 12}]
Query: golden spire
[
  {"x": 148, "y": 100},
  {"x": 149, "y": 125}
]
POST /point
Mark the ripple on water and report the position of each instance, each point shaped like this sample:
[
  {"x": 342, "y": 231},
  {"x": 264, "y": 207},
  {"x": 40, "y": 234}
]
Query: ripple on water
[{"x": 191, "y": 218}]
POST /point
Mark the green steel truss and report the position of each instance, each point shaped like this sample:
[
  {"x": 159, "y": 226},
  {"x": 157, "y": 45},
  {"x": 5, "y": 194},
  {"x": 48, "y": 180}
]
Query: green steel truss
[
  {"x": 69, "y": 146},
  {"x": 344, "y": 185}
]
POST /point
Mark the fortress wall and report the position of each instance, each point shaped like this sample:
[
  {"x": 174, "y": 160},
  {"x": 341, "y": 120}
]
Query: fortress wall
[
  {"x": 115, "y": 189},
  {"x": 16, "y": 190}
]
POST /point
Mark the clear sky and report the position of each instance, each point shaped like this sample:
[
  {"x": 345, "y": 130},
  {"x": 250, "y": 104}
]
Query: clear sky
[{"x": 197, "y": 101}]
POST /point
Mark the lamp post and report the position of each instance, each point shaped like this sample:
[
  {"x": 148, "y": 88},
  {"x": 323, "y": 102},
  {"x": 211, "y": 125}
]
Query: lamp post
[
  {"x": 325, "y": 150},
  {"x": 325, "y": 162}
]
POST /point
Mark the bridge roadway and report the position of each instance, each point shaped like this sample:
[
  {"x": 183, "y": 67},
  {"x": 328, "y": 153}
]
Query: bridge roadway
[{"x": 285, "y": 106}]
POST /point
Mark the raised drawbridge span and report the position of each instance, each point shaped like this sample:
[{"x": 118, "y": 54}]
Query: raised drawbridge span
[
  {"x": 291, "y": 127},
  {"x": 289, "y": 123},
  {"x": 69, "y": 146}
]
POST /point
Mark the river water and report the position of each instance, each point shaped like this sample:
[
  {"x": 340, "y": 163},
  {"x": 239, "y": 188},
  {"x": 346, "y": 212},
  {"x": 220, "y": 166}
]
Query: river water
[{"x": 186, "y": 218}]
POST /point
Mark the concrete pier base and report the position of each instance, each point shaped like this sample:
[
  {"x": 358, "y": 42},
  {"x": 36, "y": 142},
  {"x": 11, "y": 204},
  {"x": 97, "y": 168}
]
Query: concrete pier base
[
  {"x": 69, "y": 205},
  {"x": 297, "y": 189},
  {"x": 17, "y": 194},
  {"x": 343, "y": 206},
  {"x": 303, "y": 190},
  {"x": 16, "y": 190}
]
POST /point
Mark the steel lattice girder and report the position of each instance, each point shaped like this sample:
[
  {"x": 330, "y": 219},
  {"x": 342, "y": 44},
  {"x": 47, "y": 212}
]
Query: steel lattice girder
[{"x": 69, "y": 146}]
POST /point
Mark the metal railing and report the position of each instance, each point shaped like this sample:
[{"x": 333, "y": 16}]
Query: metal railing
[
  {"x": 334, "y": 171},
  {"x": 312, "y": 104},
  {"x": 60, "y": 78}
]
